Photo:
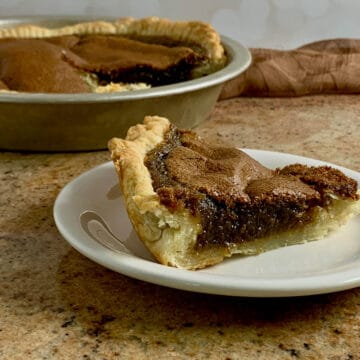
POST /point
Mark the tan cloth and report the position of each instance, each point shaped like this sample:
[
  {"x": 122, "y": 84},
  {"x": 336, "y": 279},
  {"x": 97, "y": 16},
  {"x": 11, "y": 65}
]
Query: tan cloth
[{"x": 324, "y": 67}]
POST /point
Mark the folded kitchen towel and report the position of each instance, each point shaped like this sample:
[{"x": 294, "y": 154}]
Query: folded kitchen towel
[{"x": 324, "y": 67}]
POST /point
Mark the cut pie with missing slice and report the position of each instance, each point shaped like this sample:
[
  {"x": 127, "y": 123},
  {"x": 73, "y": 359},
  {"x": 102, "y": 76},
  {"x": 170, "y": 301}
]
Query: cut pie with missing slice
[
  {"x": 107, "y": 56},
  {"x": 194, "y": 203}
]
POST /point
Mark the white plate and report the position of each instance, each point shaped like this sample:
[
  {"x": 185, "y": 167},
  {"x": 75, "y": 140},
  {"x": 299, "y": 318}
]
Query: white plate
[{"x": 90, "y": 214}]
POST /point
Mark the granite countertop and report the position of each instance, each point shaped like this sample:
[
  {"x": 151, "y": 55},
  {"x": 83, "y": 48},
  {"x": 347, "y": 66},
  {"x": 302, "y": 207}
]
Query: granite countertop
[{"x": 57, "y": 304}]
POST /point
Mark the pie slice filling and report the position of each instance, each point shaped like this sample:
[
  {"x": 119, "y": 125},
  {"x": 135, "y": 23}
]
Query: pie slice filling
[{"x": 193, "y": 202}]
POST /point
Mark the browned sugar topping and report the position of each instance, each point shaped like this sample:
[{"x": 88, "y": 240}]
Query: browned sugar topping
[
  {"x": 37, "y": 66},
  {"x": 110, "y": 53},
  {"x": 324, "y": 178},
  {"x": 54, "y": 65},
  {"x": 237, "y": 198}
]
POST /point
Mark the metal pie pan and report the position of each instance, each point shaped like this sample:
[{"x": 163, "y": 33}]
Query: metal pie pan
[{"x": 76, "y": 122}]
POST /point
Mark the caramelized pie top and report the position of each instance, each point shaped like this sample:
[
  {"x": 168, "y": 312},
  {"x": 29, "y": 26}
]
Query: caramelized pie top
[{"x": 83, "y": 57}]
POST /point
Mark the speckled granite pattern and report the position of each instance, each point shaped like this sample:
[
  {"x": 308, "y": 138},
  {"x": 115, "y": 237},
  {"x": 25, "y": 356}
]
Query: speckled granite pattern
[{"x": 57, "y": 304}]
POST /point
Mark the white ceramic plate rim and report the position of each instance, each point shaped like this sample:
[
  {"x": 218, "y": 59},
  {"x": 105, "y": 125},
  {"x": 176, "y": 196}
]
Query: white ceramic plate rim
[{"x": 202, "y": 281}]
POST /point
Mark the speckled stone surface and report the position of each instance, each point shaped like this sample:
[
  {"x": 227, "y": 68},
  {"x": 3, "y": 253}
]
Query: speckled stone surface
[{"x": 57, "y": 304}]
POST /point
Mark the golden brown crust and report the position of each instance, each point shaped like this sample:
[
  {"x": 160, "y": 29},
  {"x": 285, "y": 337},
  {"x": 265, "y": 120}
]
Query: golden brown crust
[
  {"x": 192, "y": 32},
  {"x": 171, "y": 236}
]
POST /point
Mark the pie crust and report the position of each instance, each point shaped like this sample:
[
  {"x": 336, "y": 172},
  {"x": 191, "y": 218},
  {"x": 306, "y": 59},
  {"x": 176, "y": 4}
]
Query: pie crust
[
  {"x": 199, "y": 36},
  {"x": 171, "y": 236}
]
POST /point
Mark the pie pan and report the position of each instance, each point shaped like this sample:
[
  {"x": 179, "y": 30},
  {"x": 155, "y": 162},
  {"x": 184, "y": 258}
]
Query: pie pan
[{"x": 78, "y": 122}]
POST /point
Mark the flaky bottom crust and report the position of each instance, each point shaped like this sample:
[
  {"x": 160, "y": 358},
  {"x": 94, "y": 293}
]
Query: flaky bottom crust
[{"x": 171, "y": 236}]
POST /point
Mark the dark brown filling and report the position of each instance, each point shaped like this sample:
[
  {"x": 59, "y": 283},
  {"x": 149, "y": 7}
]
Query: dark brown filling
[
  {"x": 236, "y": 198},
  {"x": 55, "y": 65}
]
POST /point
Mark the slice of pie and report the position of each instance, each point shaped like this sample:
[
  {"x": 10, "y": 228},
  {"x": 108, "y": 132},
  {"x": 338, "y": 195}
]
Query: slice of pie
[
  {"x": 107, "y": 56},
  {"x": 194, "y": 203}
]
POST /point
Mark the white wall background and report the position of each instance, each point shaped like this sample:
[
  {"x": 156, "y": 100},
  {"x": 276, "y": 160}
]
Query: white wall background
[{"x": 255, "y": 23}]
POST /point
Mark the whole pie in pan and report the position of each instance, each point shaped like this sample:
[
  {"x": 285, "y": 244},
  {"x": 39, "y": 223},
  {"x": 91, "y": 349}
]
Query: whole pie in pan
[
  {"x": 194, "y": 203},
  {"x": 104, "y": 56}
]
